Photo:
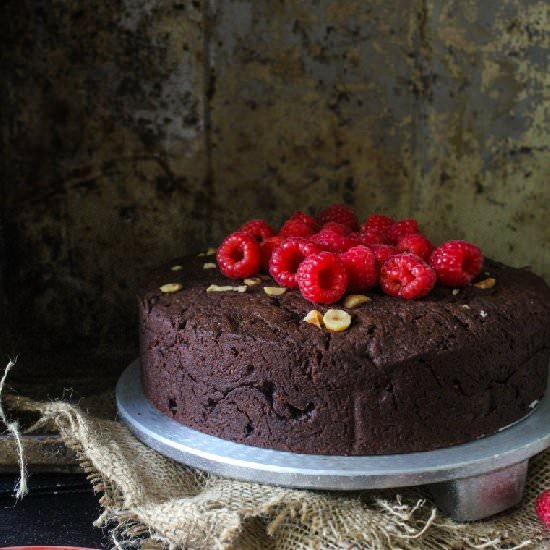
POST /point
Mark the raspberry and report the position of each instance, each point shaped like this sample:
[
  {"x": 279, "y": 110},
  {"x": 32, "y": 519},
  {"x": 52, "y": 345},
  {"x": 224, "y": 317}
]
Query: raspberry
[
  {"x": 407, "y": 276},
  {"x": 286, "y": 259},
  {"x": 339, "y": 213},
  {"x": 416, "y": 243},
  {"x": 456, "y": 263},
  {"x": 376, "y": 221},
  {"x": 259, "y": 229},
  {"x": 339, "y": 228},
  {"x": 383, "y": 252},
  {"x": 332, "y": 242},
  {"x": 322, "y": 278},
  {"x": 295, "y": 228},
  {"x": 305, "y": 218},
  {"x": 399, "y": 229},
  {"x": 373, "y": 235},
  {"x": 239, "y": 255},
  {"x": 542, "y": 507},
  {"x": 267, "y": 247},
  {"x": 361, "y": 268}
]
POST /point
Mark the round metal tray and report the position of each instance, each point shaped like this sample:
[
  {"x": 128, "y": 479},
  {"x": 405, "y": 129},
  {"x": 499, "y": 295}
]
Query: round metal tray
[{"x": 508, "y": 447}]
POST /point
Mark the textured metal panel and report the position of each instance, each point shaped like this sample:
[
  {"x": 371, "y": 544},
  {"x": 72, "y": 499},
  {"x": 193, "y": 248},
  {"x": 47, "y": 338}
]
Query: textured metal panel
[
  {"x": 104, "y": 132},
  {"x": 312, "y": 102},
  {"x": 484, "y": 146},
  {"x": 42, "y": 453}
]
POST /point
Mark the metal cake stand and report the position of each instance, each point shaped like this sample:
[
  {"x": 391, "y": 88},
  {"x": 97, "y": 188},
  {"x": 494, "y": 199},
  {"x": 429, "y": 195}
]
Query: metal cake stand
[{"x": 467, "y": 482}]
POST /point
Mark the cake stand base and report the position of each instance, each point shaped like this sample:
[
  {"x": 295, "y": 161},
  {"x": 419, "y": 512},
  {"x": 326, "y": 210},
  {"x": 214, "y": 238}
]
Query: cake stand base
[{"x": 468, "y": 482}]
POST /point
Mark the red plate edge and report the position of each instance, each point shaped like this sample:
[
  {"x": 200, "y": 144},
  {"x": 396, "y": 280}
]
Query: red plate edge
[{"x": 45, "y": 548}]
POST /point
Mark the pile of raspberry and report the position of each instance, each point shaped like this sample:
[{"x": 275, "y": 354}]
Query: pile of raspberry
[{"x": 333, "y": 254}]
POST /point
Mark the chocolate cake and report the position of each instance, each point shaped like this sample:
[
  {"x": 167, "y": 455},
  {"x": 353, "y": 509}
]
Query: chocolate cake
[{"x": 406, "y": 376}]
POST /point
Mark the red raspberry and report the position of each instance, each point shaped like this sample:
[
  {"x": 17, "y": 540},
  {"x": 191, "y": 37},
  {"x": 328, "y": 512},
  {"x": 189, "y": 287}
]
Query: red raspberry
[
  {"x": 305, "y": 218},
  {"x": 542, "y": 507},
  {"x": 339, "y": 228},
  {"x": 339, "y": 213},
  {"x": 456, "y": 263},
  {"x": 383, "y": 252},
  {"x": 376, "y": 221},
  {"x": 361, "y": 268},
  {"x": 322, "y": 278},
  {"x": 286, "y": 259},
  {"x": 399, "y": 229},
  {"x": 259, "y": 229},
  {"x": 267, "y": 247},
  {"x": 416, "y": 243},
  {"x": 332, "y": 242},
  {"x": 373, "y": 235},
  {"x": 295, "y": 228},
  {"x": 239, "y": 255},
  {"x": 407, "y": 276}
]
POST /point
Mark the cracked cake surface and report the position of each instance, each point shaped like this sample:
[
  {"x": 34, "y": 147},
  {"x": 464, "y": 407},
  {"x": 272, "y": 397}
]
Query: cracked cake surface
[{"x": 405, "y": 376}]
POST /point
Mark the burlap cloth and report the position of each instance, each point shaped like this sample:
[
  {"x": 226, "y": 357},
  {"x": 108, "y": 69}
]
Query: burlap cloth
[{"x": 156, "y": 503}]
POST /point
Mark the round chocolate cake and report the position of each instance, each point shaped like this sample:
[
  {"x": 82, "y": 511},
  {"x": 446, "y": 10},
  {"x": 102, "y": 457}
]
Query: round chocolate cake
[{"x": 405, "y": 376}]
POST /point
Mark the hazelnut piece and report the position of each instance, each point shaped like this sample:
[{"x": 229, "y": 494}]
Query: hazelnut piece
[
  {"x": 210, "y": 252},
  {"x": 337, "y": 320},
  {"x": 486, "y": 283},
  {"x": 314, "y": 317},
  {"x": 171, "y": 287},
  {"x": 355, "y": 300},
  {"x": 216, "y": 288},
  {"x": 274, "y": 290}
]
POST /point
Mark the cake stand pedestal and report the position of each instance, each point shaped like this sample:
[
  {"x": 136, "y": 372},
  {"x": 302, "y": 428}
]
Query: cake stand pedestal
[{"x": 468, "y": 482}]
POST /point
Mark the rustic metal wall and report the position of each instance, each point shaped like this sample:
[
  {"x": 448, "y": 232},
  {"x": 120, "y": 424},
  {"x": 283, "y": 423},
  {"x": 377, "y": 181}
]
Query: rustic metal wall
[
  {"x": 105, "y": 161},
  {"x": 136, "y": 130},
  {"x": 483, "y": 150}
]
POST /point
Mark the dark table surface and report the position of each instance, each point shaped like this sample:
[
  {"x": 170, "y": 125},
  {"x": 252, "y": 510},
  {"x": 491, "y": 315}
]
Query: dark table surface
[{"x": 59, "y": 510}]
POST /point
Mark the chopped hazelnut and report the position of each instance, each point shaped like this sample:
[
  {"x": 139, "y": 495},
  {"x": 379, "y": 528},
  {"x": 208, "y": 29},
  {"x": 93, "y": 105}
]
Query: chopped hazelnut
[
  {"x": 176, "y": 268},
  {"x": 483, "y": 314},
  {"x": 171, "y": 287},
  {"x": 465, "y": 306},
  {"x": 209, "y": 265},
  {"x": 314, "y": 317},
  {"x": 486, "y": 283},
  {"x": 216, "y": 288},
  {"x": 210, "y": 252},
  {"x": 355, "y": 300},
  {"x": 337, "y": 320},
  {"x": 456, "y": 291},
  {"x": 274, "y": 290},
  {"x": 253, "y": 281}
]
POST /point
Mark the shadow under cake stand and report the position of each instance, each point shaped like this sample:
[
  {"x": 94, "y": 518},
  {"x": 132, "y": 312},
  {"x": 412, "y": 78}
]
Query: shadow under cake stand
[{"x": 467, "y": 482}]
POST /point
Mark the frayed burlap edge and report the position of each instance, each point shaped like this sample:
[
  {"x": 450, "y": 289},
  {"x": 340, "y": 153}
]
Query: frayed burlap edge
[
  {"x": 12, "y": 427},
  {"x": 152, "y": 502}
]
